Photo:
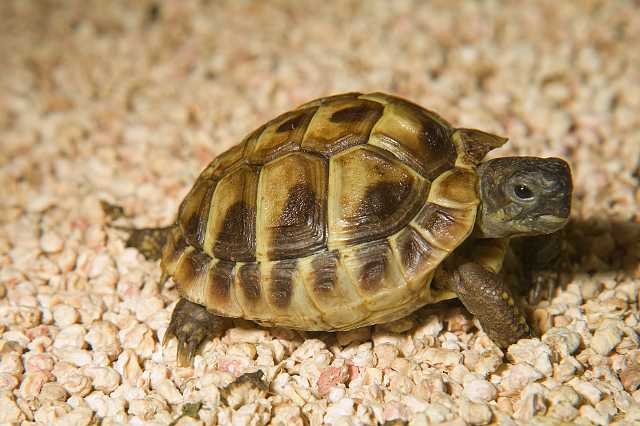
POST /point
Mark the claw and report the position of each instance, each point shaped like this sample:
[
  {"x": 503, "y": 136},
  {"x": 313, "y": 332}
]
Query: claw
[{"x": 192, "y": 325}]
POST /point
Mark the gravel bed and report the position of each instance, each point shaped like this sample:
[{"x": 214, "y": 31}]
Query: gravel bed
[{"x": 127, "y": 101}]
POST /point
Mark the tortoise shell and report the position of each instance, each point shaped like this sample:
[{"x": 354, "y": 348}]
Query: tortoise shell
[{"x": 332, "y": 216}]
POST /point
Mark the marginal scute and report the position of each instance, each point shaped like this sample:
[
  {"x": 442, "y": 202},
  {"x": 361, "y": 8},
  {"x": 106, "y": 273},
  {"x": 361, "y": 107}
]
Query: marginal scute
[
  {"x": 172, "y": 251},
  {"x": 375, "y": 273},
  {"x": 371, "y": 195},
  {"x": 331, "y": 291},
  {"x": 291, "y": 213},
  {"x": 416, "y": 137},
  {"x": 282, "y": 135},
  {"x": 341, "y": 124},
  {"x": 281, "y": 285},
  {"x": 219, "y": 292},
  {"x": 228, "y": 159},
  {"x": 249, "y": 280},
  {"x": 455, "y": 188},
  {"x": 416, "y": 256},
  {"x": 194, "y": 211},
  {"x": 191, "y": 272},
  {"x": 231, "y": 231},
  {"x": 444, "y": 227},
  {"x": 250, "y": 291},
  {"x": 472, "y": 145}
]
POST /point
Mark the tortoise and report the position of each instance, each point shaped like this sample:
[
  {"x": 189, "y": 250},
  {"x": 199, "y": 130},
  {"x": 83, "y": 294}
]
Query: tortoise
[{"x": 352, "y": 210}]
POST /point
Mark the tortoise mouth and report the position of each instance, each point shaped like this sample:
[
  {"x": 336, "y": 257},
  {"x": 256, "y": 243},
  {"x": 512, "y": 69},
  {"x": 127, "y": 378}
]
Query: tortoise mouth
[{"x": 547, "y": 223}]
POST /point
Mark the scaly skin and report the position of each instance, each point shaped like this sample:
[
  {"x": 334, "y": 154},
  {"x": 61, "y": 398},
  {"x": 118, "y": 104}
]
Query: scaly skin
[{"x": 487, "y": 296}]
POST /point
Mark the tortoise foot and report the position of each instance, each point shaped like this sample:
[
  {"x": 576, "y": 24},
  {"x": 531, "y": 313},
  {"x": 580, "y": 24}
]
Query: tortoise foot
[
  {"x": 192, "y": 325},
  {"x": 148, "y": 241}
]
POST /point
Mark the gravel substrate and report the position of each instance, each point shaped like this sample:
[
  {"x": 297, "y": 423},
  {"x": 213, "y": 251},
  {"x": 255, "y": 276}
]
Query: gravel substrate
[{"x": 127, "y": 101}]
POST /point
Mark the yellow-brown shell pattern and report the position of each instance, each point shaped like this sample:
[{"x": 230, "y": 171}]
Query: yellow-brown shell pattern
[{"x": 329, "y": 217}]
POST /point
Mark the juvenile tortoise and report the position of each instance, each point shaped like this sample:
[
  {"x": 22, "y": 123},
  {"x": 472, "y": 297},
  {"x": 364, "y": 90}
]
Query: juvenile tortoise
[{"x": 340, "y": 213}]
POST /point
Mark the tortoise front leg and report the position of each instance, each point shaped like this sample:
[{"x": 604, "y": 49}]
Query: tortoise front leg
[
  {"x": 486, "y": 296},
  {"x": 540, "y": 258}
]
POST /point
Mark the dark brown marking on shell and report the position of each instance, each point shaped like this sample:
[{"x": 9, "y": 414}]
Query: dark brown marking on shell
[
  {"x": 220, "y": 280},
  {"x": 292, "y": 123},
  {"x": 418, "y": 137},
  {"x": 194, "y": 217},
  {"x": 281, "y": 289},
  {"x": 373, "y": 260},
  {"x": 443, "y": 223},
  {"x": 340, "y": 125},
  {"x": 249, "y": 279},
  {"x": 280, "y": 136},
  {"x": 381, "y": 201},
  {"x": 414, "y": 252},
  {"x": 237, "y": 238},
  {"x": 193, "y": 265},
  {"x": 301, "y": 211},
  {"x": 324, "y": 266},
  {"x": 351, "y": 114},
  {"x": 437, "y": 139}
]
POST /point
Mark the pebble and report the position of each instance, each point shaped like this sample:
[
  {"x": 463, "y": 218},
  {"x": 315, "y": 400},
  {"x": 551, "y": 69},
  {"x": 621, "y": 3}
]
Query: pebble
[
  {"x": 532, "y": 352},
  {"x": 9, "y": 411},
  {"x": 53, "y": 392},
  {"x": 480, "y": 391},
  {"x": 104, "y": 379},
  {"x": 562, "y": 340},
  {"x": 51, "y": 242},
  {"x": 587, "y": 390},
  {"x": 519, "y": 376},
  {"x": 169, "y": 392},
  {"x": 563, "y": 411},
  {"x": 564, "y": 393},
  {"x": 475, "y": 413},
  {"x": 606, "y": 339},
  {"x": 630, "y": 377}
]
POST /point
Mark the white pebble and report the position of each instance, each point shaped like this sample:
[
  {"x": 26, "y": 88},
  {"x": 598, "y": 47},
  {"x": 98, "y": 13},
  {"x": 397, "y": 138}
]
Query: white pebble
[
  {"x": 169, "y": 392},
  {"x": 480, "y": 391},
  {"x": 587, "y": 390},
  {"x": 51, "y": 242},
  {"x": 65, "y": 315},
  {"x": 475, "y": 413},
  {"x": 562, "y": 340},
  {"x": 605, "y": 339},
  {"x": 104, "y": 379}
]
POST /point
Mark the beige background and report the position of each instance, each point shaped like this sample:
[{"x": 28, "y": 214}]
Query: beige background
[{"x": 127, "y": 101}]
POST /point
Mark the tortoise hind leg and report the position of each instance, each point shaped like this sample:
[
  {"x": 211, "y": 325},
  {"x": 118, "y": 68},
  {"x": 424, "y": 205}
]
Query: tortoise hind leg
[
  {"x": 489, "y": 299},
  {"x": 193, "y": 325},
  {"x": 148, "y": 241}
]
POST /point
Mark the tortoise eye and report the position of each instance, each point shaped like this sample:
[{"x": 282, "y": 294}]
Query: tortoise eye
[{"x": 522, "y": 192}]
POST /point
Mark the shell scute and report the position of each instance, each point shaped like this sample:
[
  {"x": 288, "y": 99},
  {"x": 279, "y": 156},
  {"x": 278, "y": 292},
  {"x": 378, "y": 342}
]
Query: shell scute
[
  {"x": 341, "y": 124},
  {"x": 280, "y": 136},
  {"x": 371, "y": 196},
  {"x": 416, "y": 137},
  {"x": 231, "y": 233},
  {"x": 292, "y": 200}
]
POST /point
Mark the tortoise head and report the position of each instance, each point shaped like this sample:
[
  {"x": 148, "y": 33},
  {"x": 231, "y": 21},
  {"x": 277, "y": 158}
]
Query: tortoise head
[{"x": 524, "y": 196}]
